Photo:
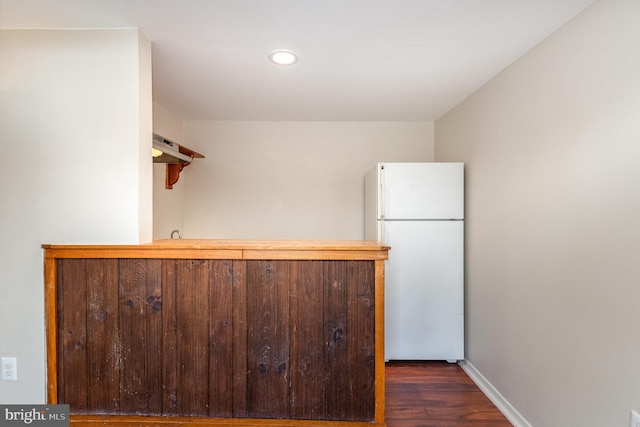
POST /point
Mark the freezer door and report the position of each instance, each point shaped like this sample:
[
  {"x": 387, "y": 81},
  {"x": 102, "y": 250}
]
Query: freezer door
[
  {"x": 423, "y": 190},
  {"x": 424, "y": 290}
]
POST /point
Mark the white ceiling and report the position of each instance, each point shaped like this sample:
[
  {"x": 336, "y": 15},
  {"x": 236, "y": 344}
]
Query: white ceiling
[{"x": 400, "y": 60}]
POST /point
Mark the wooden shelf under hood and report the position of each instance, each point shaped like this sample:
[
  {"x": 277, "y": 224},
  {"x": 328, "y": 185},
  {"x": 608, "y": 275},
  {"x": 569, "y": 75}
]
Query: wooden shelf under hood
[{"x": 174, "y": 164}]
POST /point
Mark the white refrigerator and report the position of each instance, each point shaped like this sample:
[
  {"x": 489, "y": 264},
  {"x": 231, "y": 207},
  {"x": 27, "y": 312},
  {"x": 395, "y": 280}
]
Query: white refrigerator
[{"x": 418, "y": 210}]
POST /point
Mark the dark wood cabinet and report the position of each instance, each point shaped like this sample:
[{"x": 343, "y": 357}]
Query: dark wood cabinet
[{"x": 215, "y": 332}]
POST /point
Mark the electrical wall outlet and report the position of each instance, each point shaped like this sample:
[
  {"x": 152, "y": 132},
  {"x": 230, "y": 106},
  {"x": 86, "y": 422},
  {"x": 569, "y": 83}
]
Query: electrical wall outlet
[
  {"x": 634, "y": 419},
  {"x": 9, "y": 367}
]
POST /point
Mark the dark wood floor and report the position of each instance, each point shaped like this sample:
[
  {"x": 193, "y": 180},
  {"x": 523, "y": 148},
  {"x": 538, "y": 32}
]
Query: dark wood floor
[{"x": 436, "y": 394}]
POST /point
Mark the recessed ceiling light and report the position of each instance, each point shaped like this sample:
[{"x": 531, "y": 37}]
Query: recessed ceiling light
[{"x": 283, "y": 57}]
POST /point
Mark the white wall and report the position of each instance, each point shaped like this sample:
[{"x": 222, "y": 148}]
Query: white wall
[
  {"x": 145, "y": 141},
  {"x": 75, "y": 133},
  {"x": 553, "y": 222},
  {"x": 168, "y": 205},
  {"x": 289, "y": 180}
]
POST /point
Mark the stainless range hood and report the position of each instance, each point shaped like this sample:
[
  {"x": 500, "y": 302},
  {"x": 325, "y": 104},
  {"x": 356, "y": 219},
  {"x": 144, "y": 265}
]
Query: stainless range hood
[
  {"x": 176, "y": 157},
  {"x": 166, "y": 151}
]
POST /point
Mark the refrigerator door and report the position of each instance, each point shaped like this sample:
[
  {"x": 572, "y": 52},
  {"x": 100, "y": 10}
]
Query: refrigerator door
[
  {"x": 422, "y": 190},
  {"x": 424, "y": 304}
]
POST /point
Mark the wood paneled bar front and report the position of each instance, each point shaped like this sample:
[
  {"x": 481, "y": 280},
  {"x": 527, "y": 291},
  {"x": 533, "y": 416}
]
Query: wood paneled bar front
[{"x": 217, "y": 333}]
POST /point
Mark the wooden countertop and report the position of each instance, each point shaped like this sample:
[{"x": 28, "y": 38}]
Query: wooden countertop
[{"x": 227, "y": 249}]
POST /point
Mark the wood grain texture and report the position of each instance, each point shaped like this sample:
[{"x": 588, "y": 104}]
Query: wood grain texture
[
  {"x": 228, "y": 249},
  {"x": 361, "y": 339},
  {"x": 103, "y": 343},
  {"x": 380, "y": 380},
  {"x": 336, "y": 364},
  {"x": 51, "y": 318},
  {"x": 169, "y": 337},
  {"x": 142, "y": 421},
  {"x": 268, "y": 339},
  {"x": 221, "y": 328},
  {"x": 420, "y": 394},
  {"x": 436, "y": 394},
  {"x": 307, "y": 356},
  {"x": 140, "y": 336},
  {"x": 72, "y": 335},
  {"x": 237, "y": 341},
  {"x": 240, "y": 332},
  {"x": 192, "y": 312}
]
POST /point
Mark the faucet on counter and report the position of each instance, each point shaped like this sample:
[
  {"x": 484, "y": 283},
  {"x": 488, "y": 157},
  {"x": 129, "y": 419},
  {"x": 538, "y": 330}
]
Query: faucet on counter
[{"x": 176, "y": 231}]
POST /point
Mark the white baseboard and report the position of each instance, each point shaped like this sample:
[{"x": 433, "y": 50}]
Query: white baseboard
[{"x": 510, "y": 413}]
